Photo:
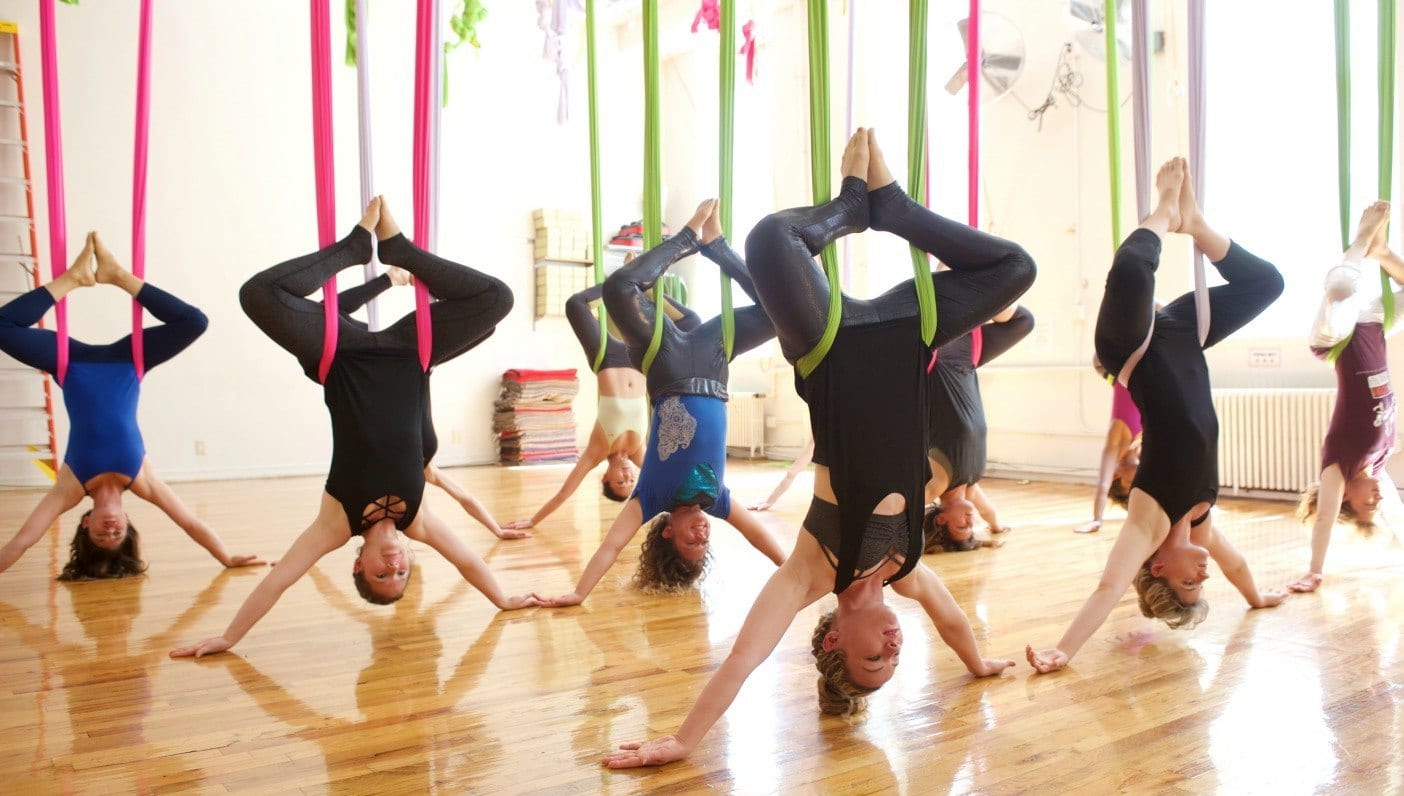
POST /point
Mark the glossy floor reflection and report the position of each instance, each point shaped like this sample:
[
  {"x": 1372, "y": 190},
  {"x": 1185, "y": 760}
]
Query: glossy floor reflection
[{"x": 440, "y": 692}]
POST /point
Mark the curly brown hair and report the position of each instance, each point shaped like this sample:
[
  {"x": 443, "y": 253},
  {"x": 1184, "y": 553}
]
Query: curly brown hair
[
  {"x": 87, "y": 561},
  {"x": 662, "y": 569},
  {"x": 363, "y": 588},
  {"x": 1159, "y": 601},
  {"x": 1306, "y": 511},
  {"x": 938, "y": 537},
  {"x": 838, "y": 694}
]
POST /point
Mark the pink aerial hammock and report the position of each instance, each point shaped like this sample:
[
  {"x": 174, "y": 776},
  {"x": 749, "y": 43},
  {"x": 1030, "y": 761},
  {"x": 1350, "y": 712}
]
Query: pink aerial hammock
[
  {"x": 53, "y": 144},
  {"x": 428, "y": 51}
]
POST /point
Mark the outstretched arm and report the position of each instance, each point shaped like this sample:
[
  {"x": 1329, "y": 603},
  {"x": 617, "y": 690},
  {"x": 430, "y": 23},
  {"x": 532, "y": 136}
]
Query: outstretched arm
[
  {"x": 325, "y": 534},
  {"x": 985, "y": 507},
  {"x": 789, "y": 590},
  {"x": 1111, "y": 453},
  {"x": 625, "y": 526},
  {"x": 800, "y": 465},
  {"x": 926, "y": 588},
  {"x": 1328, "y": 509},
  {"x": 1235, "y": 568},
  {"x": 1145, "y": 528},
  {"x": 62, "y": 496},
  {"x": 756, "y": 533},
  {"x": 149, "y": 487},
  {"x": 470, "y": 504},
  {"x": 593, "y": 454},
  {"x": 438, "y": 535}
]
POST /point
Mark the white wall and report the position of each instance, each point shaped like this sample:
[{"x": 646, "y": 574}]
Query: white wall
[{"x": 231, "y": 193}]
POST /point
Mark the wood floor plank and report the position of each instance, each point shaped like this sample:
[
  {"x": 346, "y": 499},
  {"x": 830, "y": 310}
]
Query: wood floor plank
[{"x": 442, "y": 693}]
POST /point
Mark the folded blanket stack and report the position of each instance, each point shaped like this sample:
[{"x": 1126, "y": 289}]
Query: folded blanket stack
[{"x": 533, "y": 419}]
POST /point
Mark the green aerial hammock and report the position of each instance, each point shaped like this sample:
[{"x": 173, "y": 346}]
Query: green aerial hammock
[
  {"x": 1386, "y": 133},
  {"x": 596, "y": 223},
  {"x": 670, "y": 286},
  {"x": 821, "y": 175}
]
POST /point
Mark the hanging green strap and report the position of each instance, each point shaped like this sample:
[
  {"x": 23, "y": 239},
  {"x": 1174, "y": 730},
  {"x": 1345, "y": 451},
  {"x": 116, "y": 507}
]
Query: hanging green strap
[
  {"x": 1386, "y": 142},
  {"x": 820, "y": 174},
  {"x": 916, "y": 158},
  {"x": 726, "y": 145},
  {"x": 1113, "y": 60},
  {"x": 1387, "y": 21},
  {"x": 652, "y": 167},
  {"x": 596, "y": 223}
]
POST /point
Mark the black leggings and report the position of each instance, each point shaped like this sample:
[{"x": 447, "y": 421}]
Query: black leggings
[
  {"x": 1128, "y": 306},
  {"x": 469, "y": 306},
  {"x": 987, "y": 273}
]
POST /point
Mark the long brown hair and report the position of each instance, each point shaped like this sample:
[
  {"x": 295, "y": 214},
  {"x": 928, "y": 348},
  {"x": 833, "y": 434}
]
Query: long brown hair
[
  {"x": 87, "y": 561},
  {"x": 662, "y": 569}
]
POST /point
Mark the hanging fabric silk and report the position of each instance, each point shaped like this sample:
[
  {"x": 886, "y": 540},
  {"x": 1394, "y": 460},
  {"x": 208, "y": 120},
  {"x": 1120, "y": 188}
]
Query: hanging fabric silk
[
  {"x": 1113, "y": 65},
  {"x": 596, "y": 214},
  {"x": 974, "y": 62},
  {"x": 323, "y": 165},
  {"x": 819, "y": 171},
  {"x": 1387, "y": 25},
  {"x": 139, "y": 150},
  {"x": 53, "y": 167},
  {"x": 427, "y": 76},
  {"x": 916, "y": 143},
  {"x": 652, "y": 167},
  {"x": 363, "y": 120},
  {"x": 1197, "y": 74},
  {"x": 1140, "y": 103},
  {"x": 748, "y": 49},
  {"x": 726, "y": 145},
  {"x": 53, "y": 144}
]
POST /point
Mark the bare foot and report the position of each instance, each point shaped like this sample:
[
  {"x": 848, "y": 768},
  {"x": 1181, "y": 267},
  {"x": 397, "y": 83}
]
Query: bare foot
[
  {"x": 855, "y": 155},
  {"x": 372, "y": 215},
  {"x": 1191, "y": 220},
  {"x": 1372, "y": 233},
  {"x": 109, "y": 271},
  {"x": 1166, "y": 216},
  {"x": 399, "y": 276},
  {"x": 712, "y": 227},
  {"x": 704, "y": 210},
  {"x": 386, "y": 227},
  {"x": 80, "y": 273},
  {"x": 879, "y": 175}
]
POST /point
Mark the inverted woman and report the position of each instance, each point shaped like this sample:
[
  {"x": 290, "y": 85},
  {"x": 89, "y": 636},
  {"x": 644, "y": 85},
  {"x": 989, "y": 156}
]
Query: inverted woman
[
  {"x": 383, "y": 437},
  {"x": 683, "y": 480},
  {"x": 1169, "y": 535},
  {"x": 866, "y": 399},
  {"x": 621, "y": 413},
  {"x": 1360, "y": 439},
  {"x": 956, "y": 432},
  {"x": 106, "y": 455}
]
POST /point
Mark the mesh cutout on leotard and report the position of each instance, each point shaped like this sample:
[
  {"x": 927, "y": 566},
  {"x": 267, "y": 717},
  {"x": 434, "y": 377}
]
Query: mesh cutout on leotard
[{"x": 383, "y": 507}]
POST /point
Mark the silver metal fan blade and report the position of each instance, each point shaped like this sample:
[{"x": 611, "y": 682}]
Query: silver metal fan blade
[{"x": 1001, "y": 55}]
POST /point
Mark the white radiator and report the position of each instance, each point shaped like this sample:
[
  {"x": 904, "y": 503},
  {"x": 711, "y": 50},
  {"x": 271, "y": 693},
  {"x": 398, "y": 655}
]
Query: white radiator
[
  {"x": 1270, "y": 439},
  {"x": 745, "y": 422}
]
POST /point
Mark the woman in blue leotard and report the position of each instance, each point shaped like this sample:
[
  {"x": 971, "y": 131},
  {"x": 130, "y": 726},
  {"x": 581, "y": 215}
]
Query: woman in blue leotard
[{"x": 105, "y": 456}]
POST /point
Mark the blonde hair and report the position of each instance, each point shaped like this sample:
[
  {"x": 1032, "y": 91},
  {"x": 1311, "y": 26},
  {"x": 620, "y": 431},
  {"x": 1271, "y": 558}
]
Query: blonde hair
[
  {"x": 838, "y": 694},
  {"x": 1159, "y": 601},
  {"x": 662, "y": 569},
  {"x": 1306, "y": 511}
]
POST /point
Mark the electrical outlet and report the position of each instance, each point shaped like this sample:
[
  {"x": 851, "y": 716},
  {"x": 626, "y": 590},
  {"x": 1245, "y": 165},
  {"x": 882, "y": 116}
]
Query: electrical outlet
[
  {"x": 1264, "y": 357},
  {"x": 199, "y": 447}
]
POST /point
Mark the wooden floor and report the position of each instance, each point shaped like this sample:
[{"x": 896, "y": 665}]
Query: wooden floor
[{"x": 441, "y": 692}]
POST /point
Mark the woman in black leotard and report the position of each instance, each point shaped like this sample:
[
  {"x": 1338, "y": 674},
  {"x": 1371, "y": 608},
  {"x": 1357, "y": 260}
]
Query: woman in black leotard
[
  {"x": 1169, "y": 534},
  {"x": 683, "y": 479},
  {"x": 863, "y": 530},
  {"x": 382, "y": 433},
  {"x": 955, "y": 430},
  {"x": 106, "y": 456}
]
